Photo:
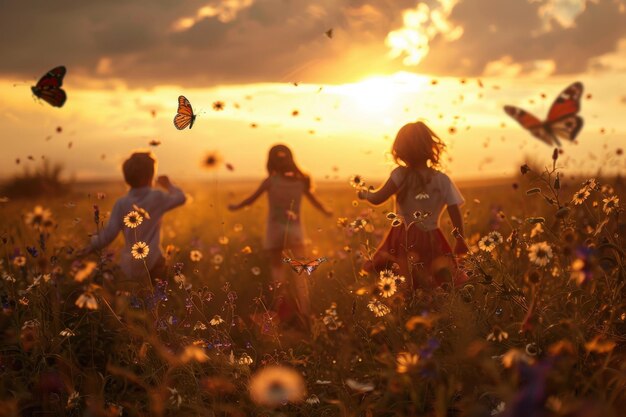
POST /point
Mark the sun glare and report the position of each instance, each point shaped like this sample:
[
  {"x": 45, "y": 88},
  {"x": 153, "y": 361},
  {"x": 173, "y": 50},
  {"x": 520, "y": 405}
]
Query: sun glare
[{"x": 381, "y": 95}]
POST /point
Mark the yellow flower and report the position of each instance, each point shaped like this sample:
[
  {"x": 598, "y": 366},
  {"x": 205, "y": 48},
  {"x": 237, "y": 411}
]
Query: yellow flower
[
  {"x": 133, "y": 219},
  {"x": 356, "y": 181},
  {"x": 610, "y": 204},
  {"x": 217, "y": 259},
  {"x": 540, "y": 253},
  {"x": 497, "y": 334},
  {"x": 194, "y": 353},
  {"x": 67, "y": 332},
  {"x": 487, "y": 243},
  {"x": 19, "y": 261},
  {"x": 216, "y": 320},
  {"x": 87, "y": 300},
  {"x": 580, "y": 196},
  {"x": 223, "y": 240},
  {"x": 40, "y": 218},
  {"x": 406, "y": 362},
  {"x": 140, "y": 250},
  {"x": 387, "y": 286},
  {"x": 275, "y": 385},
  {"x": 379, "y": 309},
  {"x": 195, "y": 255},
  {"x": 245, "y": 359}
]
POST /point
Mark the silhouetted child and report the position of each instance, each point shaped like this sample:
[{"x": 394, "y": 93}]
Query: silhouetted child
[
  {"x": 138, "y": 214},
  {"x": 285, "y": 186},
  {"x": 422, "y": 192}
]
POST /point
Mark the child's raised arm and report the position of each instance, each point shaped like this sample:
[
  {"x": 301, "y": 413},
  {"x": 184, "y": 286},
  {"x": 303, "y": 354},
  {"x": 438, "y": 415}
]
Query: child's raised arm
[
  {"x": 262, "y": 188},
  {"x": 316, "y": 203},
  {"x": 381, "y": 195},
  {"x": 174, "y": 197}
]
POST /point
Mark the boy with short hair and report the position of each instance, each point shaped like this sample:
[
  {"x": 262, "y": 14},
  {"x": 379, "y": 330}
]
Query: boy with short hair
[{"x": 138, "y": 214}]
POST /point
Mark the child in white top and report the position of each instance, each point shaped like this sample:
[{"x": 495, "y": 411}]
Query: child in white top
[
  {"x": 142, "y": 203},
  {"x": 285, "y": 185},
  {"x": 417, "y": 246}
]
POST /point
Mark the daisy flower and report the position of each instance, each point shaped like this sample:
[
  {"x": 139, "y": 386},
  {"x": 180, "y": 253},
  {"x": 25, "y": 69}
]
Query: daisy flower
[
  {"x": 406, "y": 362},
  {"x": 276, "y": 385},
  {"x": 496, "y": 237},
  {"x": 19, "y": 261},
  {"x": 217, "y": 259},
  {"x": 379, "y": 309},
  {"x": 133, "y": 219},
  {"x": 87, "y": 300},
  {"x": 610, "y": 204},
  {"x": 580, "y": 196},
  {"x": 497, "y": 334},
  {"x": 140, "y": 250},
  {"x": 540, "y": 253},
  {"x": 245, "y": 359},
  {"x": 486, "y": 244},
  {"x": 195, "y": 255},
  {"x": 39, "y": 218},
  {"x": 216, "y": 320},
  {"x": 67, "y": 332},
  {"x": 387, "y": 287},
  {"x": 356, "y": 181}
]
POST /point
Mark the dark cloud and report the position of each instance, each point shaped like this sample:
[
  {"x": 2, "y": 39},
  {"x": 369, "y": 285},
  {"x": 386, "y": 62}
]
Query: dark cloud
[
  {"x": 281, "y": 40},
  {"x": 495, "y": 29}
]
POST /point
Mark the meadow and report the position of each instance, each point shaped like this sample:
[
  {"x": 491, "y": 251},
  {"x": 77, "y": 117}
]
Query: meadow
[{"x": 538, "y": 330}]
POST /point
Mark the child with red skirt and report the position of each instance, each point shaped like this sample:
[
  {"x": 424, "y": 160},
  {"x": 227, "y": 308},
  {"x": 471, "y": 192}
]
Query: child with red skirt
[{"x": 417, "y": 248}]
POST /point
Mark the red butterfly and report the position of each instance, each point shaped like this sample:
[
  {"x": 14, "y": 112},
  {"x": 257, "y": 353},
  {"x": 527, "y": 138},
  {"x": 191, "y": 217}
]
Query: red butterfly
[
  {"x": 184, "y": 117},
  {"x": 48, "y": 88},
  {"x": 299, "y": 267},
  {"x": 562, "y": 121}
]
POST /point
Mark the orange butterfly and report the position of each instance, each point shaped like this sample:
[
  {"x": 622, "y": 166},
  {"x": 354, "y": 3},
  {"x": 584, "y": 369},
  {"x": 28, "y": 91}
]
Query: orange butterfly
[
  {"x": 184, "y": 117},
  {"x": 299, "y": 267},
  {"x": 562, "y": 122}
]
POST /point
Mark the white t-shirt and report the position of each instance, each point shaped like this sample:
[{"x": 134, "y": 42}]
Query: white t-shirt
[
  {"x": 156, "y": 203},
  {"x": 438, "y": 192}
]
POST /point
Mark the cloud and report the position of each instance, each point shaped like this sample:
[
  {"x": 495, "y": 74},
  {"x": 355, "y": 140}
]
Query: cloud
[
  {"x": 565, "y": 32},
  {"x": 209, "y": 42}
]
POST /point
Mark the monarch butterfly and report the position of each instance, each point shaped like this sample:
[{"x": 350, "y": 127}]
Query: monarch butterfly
[
  {"x": 184, "y": 117},
  {"x": 298, "y": 266},
  {"x": 562, "y": 121},
  {"x": 48, "y": 88}
]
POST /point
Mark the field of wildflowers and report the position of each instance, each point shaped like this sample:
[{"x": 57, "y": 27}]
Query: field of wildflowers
[{"x": 538, "y": 330}]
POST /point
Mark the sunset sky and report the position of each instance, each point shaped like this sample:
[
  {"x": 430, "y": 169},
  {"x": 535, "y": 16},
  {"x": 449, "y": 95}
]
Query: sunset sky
[{"x": 451, "y": 63}]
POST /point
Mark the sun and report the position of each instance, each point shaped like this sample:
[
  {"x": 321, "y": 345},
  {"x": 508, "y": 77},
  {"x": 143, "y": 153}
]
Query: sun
[{"x": 381, "y": 95}]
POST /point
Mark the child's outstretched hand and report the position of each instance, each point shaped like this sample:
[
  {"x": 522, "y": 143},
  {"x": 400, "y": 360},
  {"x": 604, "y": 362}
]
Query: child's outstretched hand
[
  {"x": 233, "y": 207},
  {"x": 328, "y": 213},
  {"x": 163, "y": 181}
]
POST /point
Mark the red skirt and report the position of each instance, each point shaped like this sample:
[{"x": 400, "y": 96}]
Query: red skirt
[{"x": 423, "y": 257}]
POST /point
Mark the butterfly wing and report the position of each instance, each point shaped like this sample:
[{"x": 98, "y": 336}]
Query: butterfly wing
[
  {"x": 562, "y": 119},
  {"x": 532, "y": 124},
  {"x": 184, "y": 116},
  {"x": 297, "y": 266},
  {"x": 48, "y": 88},
  {"x": 309, "y": 267}
]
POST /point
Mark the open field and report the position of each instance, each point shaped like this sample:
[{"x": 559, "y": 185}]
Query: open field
[{"x": 526, "y": 336}]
